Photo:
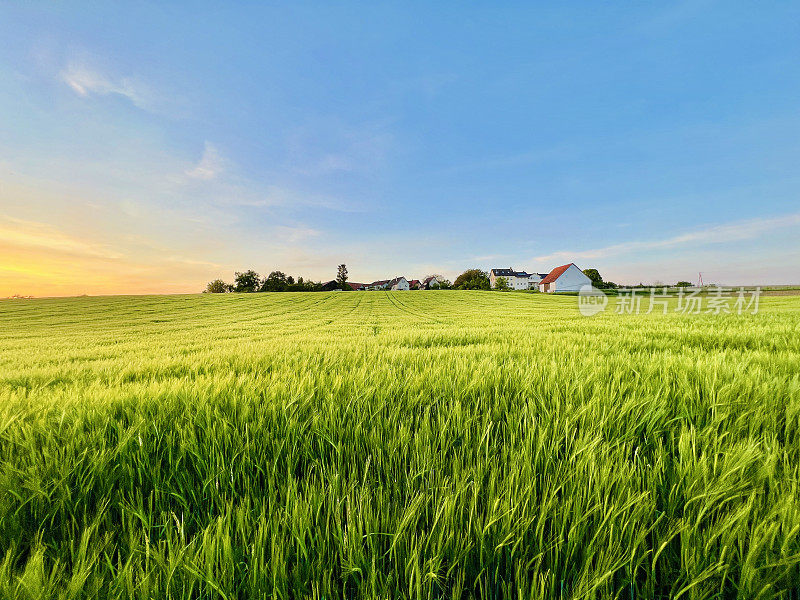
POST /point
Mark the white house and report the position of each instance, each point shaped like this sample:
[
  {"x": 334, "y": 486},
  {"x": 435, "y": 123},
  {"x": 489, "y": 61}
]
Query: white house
[
  {"x": 516, "y": 280},
  {"x": 429, "y": 282},
  {"x": 399, "y": 283},
  {"x": 566, "y": 278},
  {"x": 383, "y": 284}
]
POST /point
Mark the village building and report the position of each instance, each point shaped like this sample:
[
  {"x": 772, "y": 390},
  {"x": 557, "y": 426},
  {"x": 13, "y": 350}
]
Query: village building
[
  {"x": 432, "y": 281},
  {"x": 377, "y": 285},
  {"x": 516, "y": 280},
  {"x": 399, "y": 284},
  {"x": 329, "y": 286},
  {"x": 566, "y": 278}
]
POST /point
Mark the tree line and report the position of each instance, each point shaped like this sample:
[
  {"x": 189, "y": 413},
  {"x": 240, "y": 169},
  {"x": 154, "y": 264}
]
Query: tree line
[
  {"x": 251, "y": 281},
  {"x": 278, "y": 281}
]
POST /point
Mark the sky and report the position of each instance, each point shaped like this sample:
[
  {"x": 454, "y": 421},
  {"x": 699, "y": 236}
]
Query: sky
[{"x": 150, "y": 148}]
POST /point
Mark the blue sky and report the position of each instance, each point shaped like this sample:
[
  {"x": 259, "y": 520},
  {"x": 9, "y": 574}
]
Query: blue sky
[{"x": 151, "y": 148}]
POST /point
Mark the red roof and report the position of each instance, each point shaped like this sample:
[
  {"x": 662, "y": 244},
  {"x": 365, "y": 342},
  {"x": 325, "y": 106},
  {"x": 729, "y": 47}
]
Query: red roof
[{"x": 555, "y": 273}]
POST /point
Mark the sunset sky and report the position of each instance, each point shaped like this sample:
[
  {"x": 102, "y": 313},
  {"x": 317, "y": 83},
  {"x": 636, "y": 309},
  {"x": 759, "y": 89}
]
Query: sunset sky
[{"x": 149, "y": 148}]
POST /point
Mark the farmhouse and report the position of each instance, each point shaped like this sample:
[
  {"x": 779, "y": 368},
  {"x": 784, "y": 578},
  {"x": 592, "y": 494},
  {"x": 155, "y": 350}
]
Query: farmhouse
[
  {"x": 329, "y": 286},
  {"x": 399, "y": 283},
  {"x": 566, "y": 278},
  {"x": 429, "y": 282},
  {"x": 516, "y": 280}
]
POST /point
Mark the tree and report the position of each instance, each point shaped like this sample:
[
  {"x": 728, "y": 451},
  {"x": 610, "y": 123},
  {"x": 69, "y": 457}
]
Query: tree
[
  {"x": 341, "y": 277},
  {"x": 275, "y": 282},
  {"x": 683, "y": 284},
  {"x": 437, "y": 282},
  {"x": 472, "y": 279},
  {"x": 217, "y": 287},
  {"x": 444, "y": 284},
  {"x": 249, "y": 281},
  {"x": 594, "y": 275},
  {"x": 501, "y": 284},
  {"x": 290, "y": 280}
]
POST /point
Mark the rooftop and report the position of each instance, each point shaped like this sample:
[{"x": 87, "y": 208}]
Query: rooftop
[
  {"x": 512, "y": 273},
  {"x": 556, "y": 273}
]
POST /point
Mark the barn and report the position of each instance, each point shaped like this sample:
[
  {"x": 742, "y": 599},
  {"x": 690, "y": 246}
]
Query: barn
[{"x": 566, "y": 278}]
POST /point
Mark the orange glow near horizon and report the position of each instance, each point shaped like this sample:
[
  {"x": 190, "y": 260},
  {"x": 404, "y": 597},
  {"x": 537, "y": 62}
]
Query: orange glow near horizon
[
  {"x": 42, "y": 271},
  {"x": 84, "y": 248}
]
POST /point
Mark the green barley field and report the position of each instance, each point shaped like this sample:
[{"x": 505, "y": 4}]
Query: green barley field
[{"x": 396, "y": 445}]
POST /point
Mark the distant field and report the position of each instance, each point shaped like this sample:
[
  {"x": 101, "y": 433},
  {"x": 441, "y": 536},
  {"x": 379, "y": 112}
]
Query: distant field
[{"x": 387, "y": 445}]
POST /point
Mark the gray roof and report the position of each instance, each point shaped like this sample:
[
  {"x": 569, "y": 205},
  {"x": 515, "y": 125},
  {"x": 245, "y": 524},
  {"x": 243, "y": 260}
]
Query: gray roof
[{"x": 512, "y": 273}]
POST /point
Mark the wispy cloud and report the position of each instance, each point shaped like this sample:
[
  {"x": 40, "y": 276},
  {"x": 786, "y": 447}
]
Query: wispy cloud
[
  {"x": 210, "y": 165},
  {"x": 40, "y": 259},
  {"x": 87, "y": 81},
  {"x": 40, "y": 235},
  {"x": 294, "y": 234},
  {"x": 255, "y": 195},
  {"x": 190, "y": 261},
  {"x": 729, "y": 232},
  {"x": 222, "y": 182}
]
